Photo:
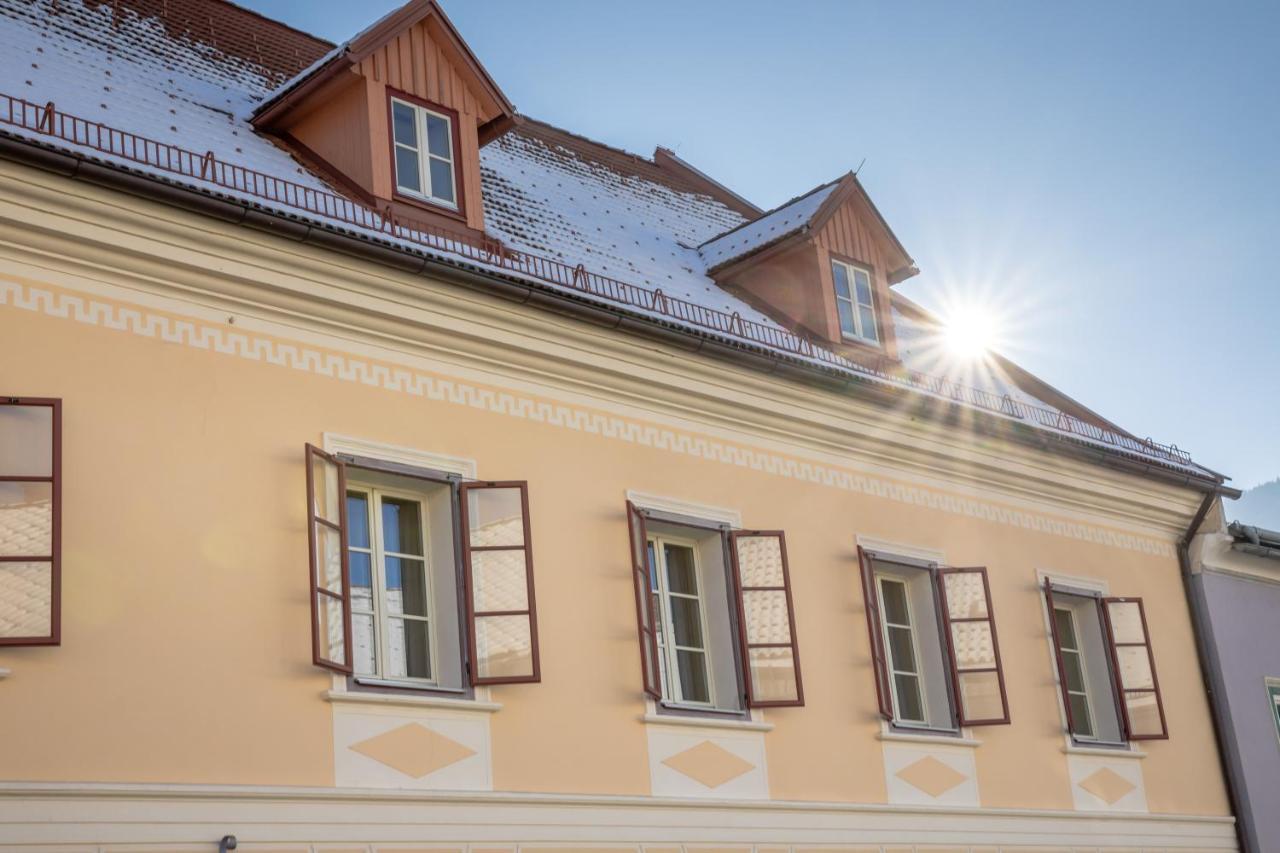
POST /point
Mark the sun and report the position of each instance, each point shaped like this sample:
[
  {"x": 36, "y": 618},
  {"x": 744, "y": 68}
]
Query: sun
[{"x": 970, "y": 332}]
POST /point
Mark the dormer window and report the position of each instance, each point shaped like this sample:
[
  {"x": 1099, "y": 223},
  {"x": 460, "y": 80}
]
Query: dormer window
[
  {"x": 424, "y": 153},
  {"x": 854, "y": 302}
]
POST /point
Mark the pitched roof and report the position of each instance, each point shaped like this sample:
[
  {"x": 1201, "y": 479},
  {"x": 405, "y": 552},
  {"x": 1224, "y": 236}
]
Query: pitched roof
[
  {"x": 577, "y": 216},
  {"x": 769, "y": 228}
]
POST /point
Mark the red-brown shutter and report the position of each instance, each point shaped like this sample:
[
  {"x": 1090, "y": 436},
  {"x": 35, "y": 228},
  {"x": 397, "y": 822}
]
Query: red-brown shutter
[
  {"x": 1057, "y": 656},
  {"x": 766, "y": 618},
  {"x": 1134, "y": 668},
  {"x": 646, "y": 621},
  {"x": 879, "y": 662},
  {"x": 330, "y": 571},
  {"x": 497, "y": 559},
  {"x": 30, "y": 521},
  {"x": 973, "y": 650}
]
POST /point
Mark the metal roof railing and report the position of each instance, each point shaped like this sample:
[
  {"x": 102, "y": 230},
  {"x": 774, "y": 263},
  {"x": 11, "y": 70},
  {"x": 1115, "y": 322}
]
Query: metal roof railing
[{"x": 208, "y": 168}]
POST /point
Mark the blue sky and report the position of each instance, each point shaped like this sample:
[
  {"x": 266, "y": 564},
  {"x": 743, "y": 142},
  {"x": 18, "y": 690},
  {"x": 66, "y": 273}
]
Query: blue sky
[{"x": 1105, "y": 176}]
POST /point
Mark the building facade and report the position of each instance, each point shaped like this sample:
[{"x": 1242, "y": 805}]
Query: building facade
[
  {"x": 383, "y": 470},
  {"x": 1235, "y": 589}
]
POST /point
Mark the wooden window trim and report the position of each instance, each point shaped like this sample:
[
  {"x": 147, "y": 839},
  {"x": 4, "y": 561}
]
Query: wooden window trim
[
  {"x": 460, "y": 213},
  {"x": 346, "y": 666},
  {"x": 54, "y": 557},
  {"x": 879, "y": 660},
  {"x": 642, "y": 581},
  {"x": 1120, "y": 690},
  {"x": 949, "y": 640},
  {"x": 743, "y": 639},
  {"x": 535, "y": 674}
]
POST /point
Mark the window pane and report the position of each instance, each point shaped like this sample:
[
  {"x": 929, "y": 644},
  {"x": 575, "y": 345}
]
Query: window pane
[
  {"x": 686, "y": 622},
  {"x": 401, "y": 527},
  {"x": 1144, "y": 713},
  {"x": 1066, "y": 629},
  {"x": 438, "y": 142},
  {"x": 1080, "y": 716},
  {"x": 902, "y": 649},
  {"x": 504, "y": 647},
  {"x": 441, "y": 179},
  {"x": 1126, "y": 622},
  {"x": 498, "y": 581},
  {"x": 357, "y": 520},
  {"x": 682, "y": 573},
  {"x": 324, "y": 482},
  {"x": 1135, "y": 668},
  {"x": 868, "y": 319},
  {"x": 407, "y": 170},
  {"x": 652, "y": 566},
  {"x": 409, "y": 642},
  {"x": 495, "y": 517},
  {"x": 364, "y": 640},
  {"x": 862, "y": 286},
  {"x": 26, "y": 441},
  {"x": 328, "y": 558},
  {"x": 980, "y": 696},
  {"x": 26, "y": 599},
  {"x": 845, "y": 309},
  {"x": 773, "y": 675},
  {"x": 966, "y": 595},
  {"x": 1074, "y": 672},
  {"x": 406, "y": 586},
  {"x": 760, "y": 560},
  {"x": 26, "y": 519},
  {"x": 910, "y": 705},
  {"x": 766, "y": 613},
  {"x": 333, "y": 642},
  {"x": 894, "y": 595},
  {"x": 974, "y": 647},
  {"x": 361, "y": 580},
  {"x": 694, "y": 686},
  {"x": 840, "y": 274},
  {"x": 406, "y": 127}
]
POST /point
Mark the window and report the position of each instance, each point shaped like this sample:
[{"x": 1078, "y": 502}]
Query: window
[
  {"x": 423, "y": 144},
  {"x": 935, "y": 655},
  {"x": 1106, "y": 669},
  {"x": 714, "y": 614},
  {"x": 397, "y": 600},
  {"x": 855, "y": 302},
  {"x": 30, "y": 521}
]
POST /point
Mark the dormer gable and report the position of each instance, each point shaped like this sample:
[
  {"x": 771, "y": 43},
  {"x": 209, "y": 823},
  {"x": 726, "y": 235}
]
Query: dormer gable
[
  {"x": 821, "y": 264},
  {"x": 396, "y": 117}
]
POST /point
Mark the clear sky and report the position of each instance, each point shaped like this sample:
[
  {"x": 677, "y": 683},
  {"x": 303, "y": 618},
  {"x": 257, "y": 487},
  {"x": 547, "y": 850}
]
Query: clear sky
[{"x": 1105, "y": 176}]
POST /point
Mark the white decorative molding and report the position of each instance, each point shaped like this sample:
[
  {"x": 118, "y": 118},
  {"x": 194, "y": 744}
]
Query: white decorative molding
[
  {"x": 1106, "y": 784},
  {"x": 692, "y": 509},
  {"x": 410, "y": 700},
  {"x": 965, "y": 738},
  {"x": 465, "y": 468},
  {"x": 706, "y": 723},
  {"x": 900, "y": 549},
  {"x": 421, "y": 748},
  {"x": 1079, "y": 582},
  {"x": 707, "y": 764},
  {"x": 1073, "y": 748},
  {"x": 928, "y": 774}
]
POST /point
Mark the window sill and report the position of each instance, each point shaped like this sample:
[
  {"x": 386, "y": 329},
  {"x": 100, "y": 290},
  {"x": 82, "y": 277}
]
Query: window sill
[
  {"x": 4, "y": 673},
  {"x": 1117, "y": 751},
  {"x": 706, "y": 723},
  {"x": 924, "y": 737},
  {"x": 409, "y": 700}
]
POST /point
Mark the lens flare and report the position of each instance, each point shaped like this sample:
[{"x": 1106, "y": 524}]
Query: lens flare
[{"x": 970, "y": 331}]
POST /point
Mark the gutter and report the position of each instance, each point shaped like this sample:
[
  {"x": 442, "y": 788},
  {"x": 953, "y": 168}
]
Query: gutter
[
  {"x": 1229, "y": 759},
  {"x": 565, "y": 303}
]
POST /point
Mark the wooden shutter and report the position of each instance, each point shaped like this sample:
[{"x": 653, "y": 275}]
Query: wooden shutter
[
  {"x": 766, "y": 618},
  {"x": 973, "y": 650},
  {"x": 1057, "y": 656},
  {"x": 330, "y": 569},
  {"x": 1134, "y": 668},
  {"x": 879, "y": 662},
  {"x": 497, "y": 560},
  {"x": 30, "y": 521},
  {"x": 646, "y": 620}
]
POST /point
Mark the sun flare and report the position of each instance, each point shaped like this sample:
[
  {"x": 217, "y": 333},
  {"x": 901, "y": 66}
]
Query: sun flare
[{"x": 970, "y": 332}]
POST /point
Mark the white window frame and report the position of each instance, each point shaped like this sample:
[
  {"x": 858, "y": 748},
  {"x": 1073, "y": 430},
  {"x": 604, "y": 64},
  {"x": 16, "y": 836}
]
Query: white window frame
[
  {"x": 667, "y": 649},
  {"x": 423, "y": 156},
  {"x": 857, "y": 332},
  {"x": 898, "y": 718},
  {"x": 1084, "y": 676},
  {"x": 381, "y": 613}
]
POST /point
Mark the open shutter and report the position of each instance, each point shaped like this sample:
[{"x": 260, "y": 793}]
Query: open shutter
[
  {"x": 330, "y": 573},
  {"x": 1134, "y": 667},
  {"x": 497, "y": 559},
  {"x": 972, "y": 648},
  {"x": 1057, "y": 655},
  {"x": 766, "y": 618},
  {"x": 30, "y": 521},
  {"x": 880, "y": 665},
  {"x": 645, "y": 588}
]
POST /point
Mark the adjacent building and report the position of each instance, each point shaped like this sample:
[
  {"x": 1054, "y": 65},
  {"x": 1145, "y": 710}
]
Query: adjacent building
[{"x": 381, "y": 469}]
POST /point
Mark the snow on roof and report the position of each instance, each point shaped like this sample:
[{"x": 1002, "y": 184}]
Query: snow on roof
[
  {"x": 771, "y": 227},
  {"x": 622, "y": 220}
]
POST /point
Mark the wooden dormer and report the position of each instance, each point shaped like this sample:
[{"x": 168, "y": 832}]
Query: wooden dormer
[
  {"x": 797, "y": 262},
  {"x": 396, "y": 117}
]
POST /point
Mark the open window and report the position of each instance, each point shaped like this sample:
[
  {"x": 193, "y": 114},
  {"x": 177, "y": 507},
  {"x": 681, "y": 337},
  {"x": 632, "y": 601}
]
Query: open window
[
  {"x": 419, "y": 580},
  {"x": 935, "y": 654},
  {"x": 30, "y": 521},
  {"x": 1106, "y": 669},
  {"x": 715, "y": 618}
]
